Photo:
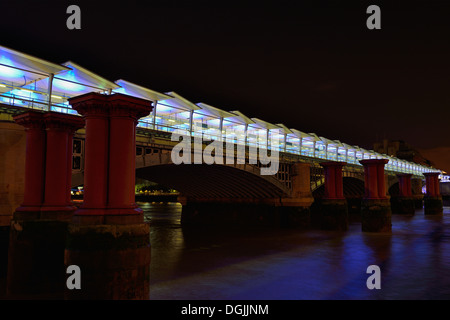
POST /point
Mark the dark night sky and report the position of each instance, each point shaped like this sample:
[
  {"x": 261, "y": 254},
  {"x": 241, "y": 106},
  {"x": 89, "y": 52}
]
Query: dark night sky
[{"x": 313, "y": 66}]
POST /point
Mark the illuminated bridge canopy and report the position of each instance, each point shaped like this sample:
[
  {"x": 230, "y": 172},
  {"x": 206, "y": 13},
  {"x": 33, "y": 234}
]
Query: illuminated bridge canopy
[{"x": 30, "y": 82}]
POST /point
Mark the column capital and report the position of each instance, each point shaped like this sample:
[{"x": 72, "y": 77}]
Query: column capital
[
  {"x": 122, "y": 105},
  {"x": 117, "y": 104},
  {"x": 90, "y": 104},
  {"x": 404, "y": 175},
  {"x": 30, "y": 120},
  {"x": 63, "y": 122}
]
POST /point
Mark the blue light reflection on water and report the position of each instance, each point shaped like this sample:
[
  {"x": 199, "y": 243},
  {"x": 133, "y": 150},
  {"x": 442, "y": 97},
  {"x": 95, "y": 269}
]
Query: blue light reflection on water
[{"x": 200, "y": 263}]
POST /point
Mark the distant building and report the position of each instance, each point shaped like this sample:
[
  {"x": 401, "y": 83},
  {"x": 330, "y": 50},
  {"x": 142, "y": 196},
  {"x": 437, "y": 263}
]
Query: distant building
[{"x": 401, "y": 150}]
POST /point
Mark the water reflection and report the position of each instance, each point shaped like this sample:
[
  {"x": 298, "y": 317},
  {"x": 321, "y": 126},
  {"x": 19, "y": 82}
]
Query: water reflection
[{"x": 201, "y": 263}]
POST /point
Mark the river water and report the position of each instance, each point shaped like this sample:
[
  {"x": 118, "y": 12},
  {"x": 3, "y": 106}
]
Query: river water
[{"x": 288, "y": 264}]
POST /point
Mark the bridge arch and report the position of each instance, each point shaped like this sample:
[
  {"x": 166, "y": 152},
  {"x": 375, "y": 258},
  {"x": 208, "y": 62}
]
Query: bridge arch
[
  {"x": 203, "y": 181},
  {"x": 394, "y": 189},
  {"x": 353, "y": 188}
]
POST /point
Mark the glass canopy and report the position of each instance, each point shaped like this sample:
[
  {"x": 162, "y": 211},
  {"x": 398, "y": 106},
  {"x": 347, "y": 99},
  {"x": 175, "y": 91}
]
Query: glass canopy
[{"x": 30, "y": 82}]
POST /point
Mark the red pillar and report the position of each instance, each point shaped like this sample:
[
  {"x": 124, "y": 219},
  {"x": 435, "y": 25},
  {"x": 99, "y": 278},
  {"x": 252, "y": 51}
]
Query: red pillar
[
  {"x": 333, "y": 179},
  {"x": 372, "y": 182},
  {"x": 437, "y": 186},
  {"x": 113, "y": 225},
  {"x": 109, "y": 175},
  {"x": 375, "y": 183},
  {"x": 124, "y": 115},
  {"x": 375, "y": 205},
  {"x": 404, "y": 202},
  {"x": 433, "y": 200},
  {"x": 332, "y": 209},
  {"x": 38, "y": 235},
  {"x": 69, "y": 165},
  {"x": 432, "y": 184},
  {"x": 58, "y": 173},
  {"x": 404, "y": 184},
  {"x": 94, "y": 109},
  {"x": 34, "y": 161},
  {"x": 381, "y": 180}
]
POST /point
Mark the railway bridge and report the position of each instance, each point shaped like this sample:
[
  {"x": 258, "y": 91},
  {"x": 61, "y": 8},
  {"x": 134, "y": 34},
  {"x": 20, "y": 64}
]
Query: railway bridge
[{"x": 63, "y": 125}]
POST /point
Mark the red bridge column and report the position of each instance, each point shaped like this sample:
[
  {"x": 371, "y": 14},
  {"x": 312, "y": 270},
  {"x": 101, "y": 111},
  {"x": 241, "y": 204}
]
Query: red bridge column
[
  {"x": 39, "y": 228},
  {"x": 404, "y": 202},
  {"x": 404, "y": 184},
  {"x": 27, "y": 236},
  {"x": 333, "y": 179},
  {"x": 375, "y": 206},
  {"x": 58, "y": 172},
  {"x": 109, "y": 240},
  {"x": 124, "y": 114},
  {"x": 69, "y": 164},
  {"x": 110, "y": 160},
  {"x": 432, "y": 184},
  {"x": 333, "y": 208},
  {"x": 432, "y": 200},
  {"x": 374, "y": 179},
  {"x": 94, "y": 108},
  {"x": 34, "y": 164}
]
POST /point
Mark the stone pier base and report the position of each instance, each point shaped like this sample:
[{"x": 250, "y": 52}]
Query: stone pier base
[
  {"x": 114, "y": 261},
  {"x": 354, "y": 209},
  {"x": 403, "y": 205},
  {"x": 36, "y": 259},
  {"x": 433, "y": 205},
  {"x": 332, "y": 214},
  {"x": 376, "y": 215},
  {"x": 294, "y": 217},
  {"x": 4, "y": 244},
  {"x": 418, "y": 201}
]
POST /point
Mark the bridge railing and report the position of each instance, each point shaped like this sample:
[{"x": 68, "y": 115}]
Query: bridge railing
[{"x": 23, "y": 100}]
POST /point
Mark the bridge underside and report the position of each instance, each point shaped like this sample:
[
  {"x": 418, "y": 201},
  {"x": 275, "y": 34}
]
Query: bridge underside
[
  {"x": 212, "y": 182},
  {"x": 224, "y": 195},
  {"x": 353, "y": 188}
]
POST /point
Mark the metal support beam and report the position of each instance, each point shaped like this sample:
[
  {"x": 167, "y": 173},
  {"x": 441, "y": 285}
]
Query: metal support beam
[
  {"x": 191, "y": 121},
  {"x": 50, "y": 89},
  {"x": 154, "y": 115}
]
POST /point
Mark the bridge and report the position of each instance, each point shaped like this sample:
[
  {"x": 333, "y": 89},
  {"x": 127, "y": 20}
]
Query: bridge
[{"x": 82, "y": 129}]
